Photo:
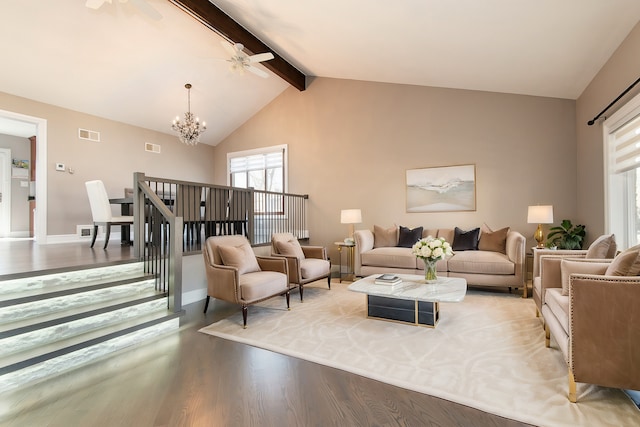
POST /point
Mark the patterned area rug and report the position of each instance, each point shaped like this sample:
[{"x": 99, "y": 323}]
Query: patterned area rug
[{"x": 487, "y": 352}]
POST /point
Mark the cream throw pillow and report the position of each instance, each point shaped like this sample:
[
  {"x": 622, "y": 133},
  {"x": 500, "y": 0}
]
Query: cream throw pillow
[
  {"x": 625, "y": 264},
  {"x": 567, "y": 267},
  {"x": 290, "y": 248},
  {"x": 603, "y": 247},
  {"x": 385, "y": 237},
  {"x": 242, "y": 257}
]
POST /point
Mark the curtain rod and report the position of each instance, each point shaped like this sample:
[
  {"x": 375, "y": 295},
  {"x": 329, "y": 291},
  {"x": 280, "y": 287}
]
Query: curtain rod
[{"x": 592, "y": 121}]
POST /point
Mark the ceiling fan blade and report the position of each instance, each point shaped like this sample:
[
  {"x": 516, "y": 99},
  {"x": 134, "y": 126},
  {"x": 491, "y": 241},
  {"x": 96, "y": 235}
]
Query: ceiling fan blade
[
  {"x": 257, "y": 71},
  {"x": 147, "y": 9},
  {"x": 228, "y": 47},
  {"x": 261, "y": 57},
  {"x": 95, "y": 4}
]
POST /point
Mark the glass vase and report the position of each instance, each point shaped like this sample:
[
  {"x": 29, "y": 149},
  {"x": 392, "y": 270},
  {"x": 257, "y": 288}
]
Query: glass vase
[{"x": 430, "y": 273}]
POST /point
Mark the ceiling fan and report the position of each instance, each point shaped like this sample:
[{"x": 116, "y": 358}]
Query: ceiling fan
[
  {"x": 240, "y": 61},
  {"x": 142, "y": 5}
]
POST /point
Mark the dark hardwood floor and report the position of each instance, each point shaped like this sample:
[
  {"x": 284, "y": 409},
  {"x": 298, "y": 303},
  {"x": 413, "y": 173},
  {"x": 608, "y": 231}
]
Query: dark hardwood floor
[{"x": 192, "y": 379}]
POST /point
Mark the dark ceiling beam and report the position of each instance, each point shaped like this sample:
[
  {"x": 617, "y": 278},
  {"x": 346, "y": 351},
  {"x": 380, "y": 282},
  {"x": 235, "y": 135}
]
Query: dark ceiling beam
[{"x": 218, "y": 21}]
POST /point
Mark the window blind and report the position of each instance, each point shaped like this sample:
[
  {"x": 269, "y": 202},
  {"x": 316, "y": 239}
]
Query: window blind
[
  {"x": 256, "y": 162},
  {"x": 625, "y": 147}
]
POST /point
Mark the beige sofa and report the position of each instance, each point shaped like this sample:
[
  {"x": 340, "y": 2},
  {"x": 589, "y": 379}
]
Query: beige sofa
[
  {"x": 590, "y": 308},
  {"x": 477, "y": 267}
]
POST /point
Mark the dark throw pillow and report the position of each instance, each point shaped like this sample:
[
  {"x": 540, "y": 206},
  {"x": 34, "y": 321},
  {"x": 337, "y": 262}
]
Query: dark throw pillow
[
  {"x": 465, "y": 240},
  {"x": 408, "y": 237}
]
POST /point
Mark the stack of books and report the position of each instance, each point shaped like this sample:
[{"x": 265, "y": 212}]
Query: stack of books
[{"x": 387, "y": 279}]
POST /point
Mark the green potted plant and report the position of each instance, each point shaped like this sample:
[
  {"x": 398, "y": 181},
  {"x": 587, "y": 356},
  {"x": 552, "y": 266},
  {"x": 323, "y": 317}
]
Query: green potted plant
[{"x": 567, "y": 235}]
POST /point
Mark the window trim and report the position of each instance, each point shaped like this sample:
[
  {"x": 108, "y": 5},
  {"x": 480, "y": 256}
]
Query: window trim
[
  {"x": 626, "y": 113},
  {"x": 264, "y": 150}
]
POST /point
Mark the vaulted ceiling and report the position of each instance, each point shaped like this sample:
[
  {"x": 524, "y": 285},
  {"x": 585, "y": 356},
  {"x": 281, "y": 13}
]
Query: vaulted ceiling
[{"x": 119, "y": 63}]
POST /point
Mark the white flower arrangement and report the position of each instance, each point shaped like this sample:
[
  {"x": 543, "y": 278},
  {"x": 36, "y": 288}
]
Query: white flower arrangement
[{"x": 432, "y": 249}]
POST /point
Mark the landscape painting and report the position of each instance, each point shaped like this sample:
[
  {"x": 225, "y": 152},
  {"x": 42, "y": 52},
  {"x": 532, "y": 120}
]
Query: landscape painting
[{"x": 441, "y": 189}]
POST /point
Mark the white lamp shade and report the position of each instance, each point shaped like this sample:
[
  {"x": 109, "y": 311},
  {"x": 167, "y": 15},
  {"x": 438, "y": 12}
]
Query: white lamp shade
[
  {"x": 540, "y": 214},
  {"x": 350, "y": 216}
]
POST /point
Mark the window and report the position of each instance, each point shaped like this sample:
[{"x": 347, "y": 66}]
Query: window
[
  {"x": 263, "y": 169},
  {"x": 622, "y": 163}
]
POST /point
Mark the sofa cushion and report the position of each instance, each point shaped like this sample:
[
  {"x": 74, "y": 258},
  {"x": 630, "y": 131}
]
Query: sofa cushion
[
  {"x": 384, "y": 237},
  {"x": 625, "y": 264},
  {"x": 603, "y": 247},
  {"x": 389, "y": 257},
  {"x": 408, "y": 237},
  {"x": 241, "y": 257},
  {"x": 481, "y": 262},
  {"x": 433, "y": 232},
  {"x": 559, "y": 306},
  {"x": 495, "y": 241},
  {"x": 290, "y": 248},
  {"x": 465, "y": 240},
  {"x": 568, "y": 267},
  {"x": 447, "y": 234}
]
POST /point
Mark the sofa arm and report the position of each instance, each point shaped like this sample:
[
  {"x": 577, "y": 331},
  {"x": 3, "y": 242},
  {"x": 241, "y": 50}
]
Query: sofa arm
[
  {"x": 364, "y": 242},
  {"x": 605, "y": 337},
  {"x": 560, "y": 253},
  {"x": 515, "y": 245}
]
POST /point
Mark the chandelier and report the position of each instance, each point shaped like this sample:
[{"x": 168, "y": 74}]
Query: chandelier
[{"x": 190, "y": 130}]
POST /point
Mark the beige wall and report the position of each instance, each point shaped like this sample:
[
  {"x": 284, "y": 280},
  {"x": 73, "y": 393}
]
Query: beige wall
[
  {"x": 619, "y": 72},
  {"x": 350, "y": 143},
  {"x": 114, "y": 160}
]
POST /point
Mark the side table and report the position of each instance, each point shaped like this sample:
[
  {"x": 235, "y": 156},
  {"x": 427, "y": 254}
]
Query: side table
[{"x": 348, "y": 250}]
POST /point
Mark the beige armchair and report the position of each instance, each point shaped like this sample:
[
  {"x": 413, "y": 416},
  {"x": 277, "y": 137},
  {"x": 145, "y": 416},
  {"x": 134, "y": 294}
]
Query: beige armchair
[
  {"x": 591, "y": 310},
  {"x": 604, "y": 247},
  {"x": 306, "y": 263},
  {"x": 236, "y": 275}
]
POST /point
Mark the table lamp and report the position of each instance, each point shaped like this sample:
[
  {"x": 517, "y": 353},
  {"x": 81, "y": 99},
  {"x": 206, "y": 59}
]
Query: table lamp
[
  {"x": 540, "y": 214},
  {"x": 351, "y": 216}
]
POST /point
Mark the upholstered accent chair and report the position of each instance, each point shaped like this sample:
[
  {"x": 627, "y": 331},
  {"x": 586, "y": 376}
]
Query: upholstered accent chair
[
  {"x": 591, "y": 310},
  {"x": 101, "y": 211},
  {"x": 236, "y": 275},
  {"x": 604, "y": 247},
  {"x": 306, "y": 263}
]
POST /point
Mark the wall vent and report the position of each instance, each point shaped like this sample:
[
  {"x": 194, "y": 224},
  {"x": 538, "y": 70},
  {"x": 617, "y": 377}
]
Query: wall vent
[
  {"x": 152, "y": 148},
  {"x": 85, "y": 231},
  {"x": 89, "y": 135}
]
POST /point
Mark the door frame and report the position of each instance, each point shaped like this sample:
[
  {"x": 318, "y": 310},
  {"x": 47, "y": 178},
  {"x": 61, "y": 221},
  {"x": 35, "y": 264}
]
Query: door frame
[
  {"x": 41, "y": 171},
  {"x": 5, "y": 189}
]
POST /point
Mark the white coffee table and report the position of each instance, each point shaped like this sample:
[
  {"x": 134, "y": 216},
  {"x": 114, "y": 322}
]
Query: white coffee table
[{"x": 412, "y": 301}]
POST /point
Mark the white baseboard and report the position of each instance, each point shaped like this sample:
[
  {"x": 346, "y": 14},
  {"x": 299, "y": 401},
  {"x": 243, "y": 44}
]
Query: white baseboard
[
  {"x": 74, "y": 238},
  {"x": 193, "y": 296}
]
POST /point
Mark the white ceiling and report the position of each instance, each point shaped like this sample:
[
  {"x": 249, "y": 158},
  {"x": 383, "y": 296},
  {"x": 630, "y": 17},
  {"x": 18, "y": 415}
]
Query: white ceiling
[{"x": 118, "y": 63}]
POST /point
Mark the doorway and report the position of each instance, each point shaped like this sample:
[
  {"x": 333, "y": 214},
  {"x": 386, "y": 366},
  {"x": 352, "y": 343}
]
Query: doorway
[
  {"x": 38, "y": 127},
  {"x": 5, "y": 192}
]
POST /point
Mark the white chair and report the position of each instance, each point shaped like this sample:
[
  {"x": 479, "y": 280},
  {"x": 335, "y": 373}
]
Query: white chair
[{"x": 101, "y": 211}]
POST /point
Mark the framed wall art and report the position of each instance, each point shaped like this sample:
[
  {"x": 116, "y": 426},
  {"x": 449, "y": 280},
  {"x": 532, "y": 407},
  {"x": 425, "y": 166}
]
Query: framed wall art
[{"x": 441, "y": 189}]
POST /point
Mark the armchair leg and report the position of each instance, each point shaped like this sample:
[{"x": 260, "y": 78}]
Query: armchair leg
[
  {"x": 287, "y": 295},
  {"x": 244, "y": 316},
  {"x": 206, "y": 304},
  {"x": 547, "y": 336},
  {"x": 572, "y": 388},
  {"x": 329, "y": 280},
  {"x": 301, "y": 288}
]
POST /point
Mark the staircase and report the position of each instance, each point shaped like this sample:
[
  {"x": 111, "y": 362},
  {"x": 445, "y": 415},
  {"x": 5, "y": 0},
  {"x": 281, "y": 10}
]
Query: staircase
[{"x": 57, "y": 320}]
